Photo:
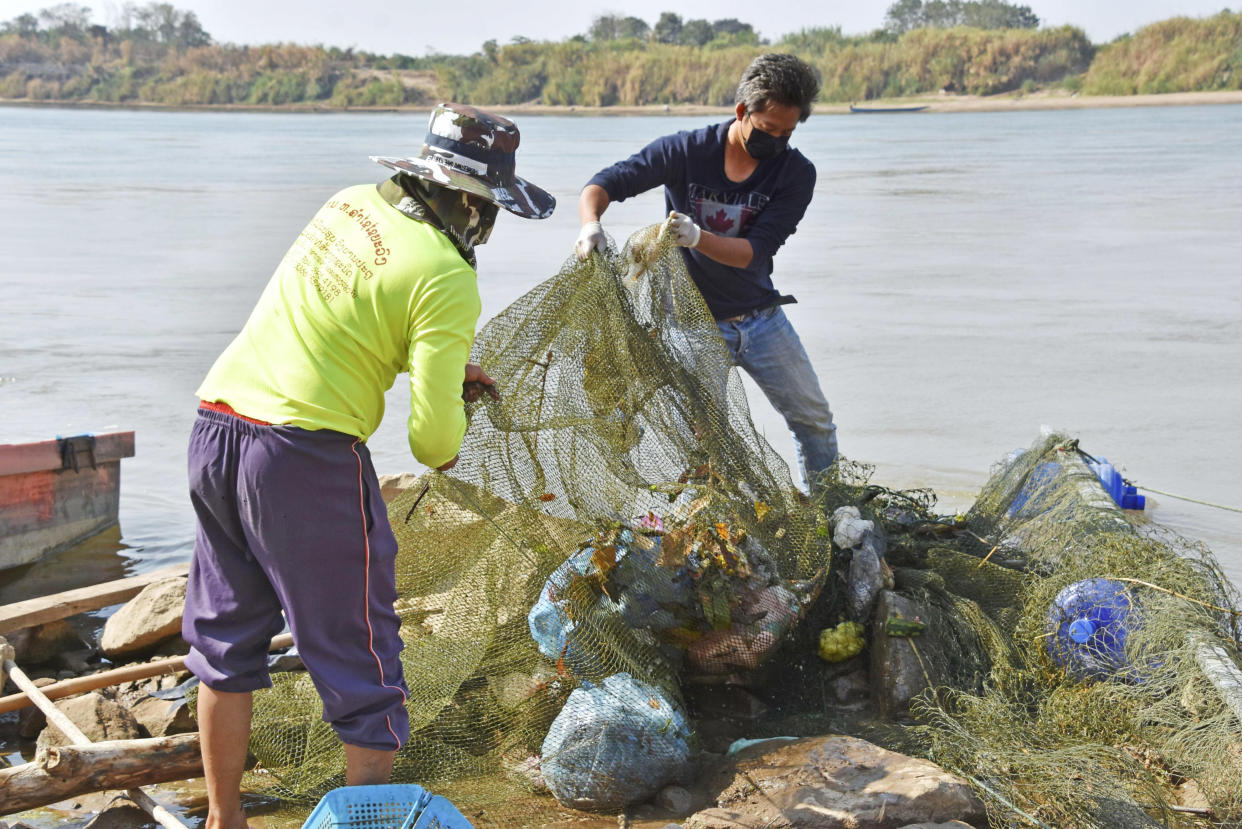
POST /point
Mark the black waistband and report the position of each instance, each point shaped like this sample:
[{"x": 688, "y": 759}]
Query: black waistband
[{"x": 779, "y": 301}]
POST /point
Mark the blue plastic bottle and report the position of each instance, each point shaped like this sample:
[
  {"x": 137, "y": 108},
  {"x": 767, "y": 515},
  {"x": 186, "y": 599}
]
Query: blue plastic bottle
[{"x": 1088, "y": 625}]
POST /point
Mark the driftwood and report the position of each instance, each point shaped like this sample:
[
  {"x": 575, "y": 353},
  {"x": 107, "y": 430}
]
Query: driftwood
[
  {"x": 55, "y": 716},
  {"x": 71, "y": 602},
  {"x": 106, "y": 679},
  {"x": 61, "y": 772},
  {"x": 6, "y": 657}
]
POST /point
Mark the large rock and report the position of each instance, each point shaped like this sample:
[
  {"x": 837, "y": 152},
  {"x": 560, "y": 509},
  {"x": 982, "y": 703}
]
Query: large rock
[
  {"x": 900, "y": 670},
  {"x": 833, "y": 782},
  {"x": 161, "y": 717},
  {"x": 30, "y": 720},
  {"x": 121, "y": 813},
  {"x": 45, "y": 643},
  {"x": 98, "y": 717},
  {"x": 149, "y": 618},
  {"x": 867, "y": 575}
]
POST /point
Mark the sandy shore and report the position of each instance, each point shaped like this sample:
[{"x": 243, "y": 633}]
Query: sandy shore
[{"x": 1009, "y": 102}]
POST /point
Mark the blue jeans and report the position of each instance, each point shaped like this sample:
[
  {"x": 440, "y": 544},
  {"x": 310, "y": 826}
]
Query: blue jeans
[{"x": 767, "y": 347}]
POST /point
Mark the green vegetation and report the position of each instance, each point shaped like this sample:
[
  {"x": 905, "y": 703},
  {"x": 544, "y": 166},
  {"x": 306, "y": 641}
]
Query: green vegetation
[
  {"x": 905, "y": 15},
  {"x": 158, "y": 54},
  {"x": 1171, "y": 56}
]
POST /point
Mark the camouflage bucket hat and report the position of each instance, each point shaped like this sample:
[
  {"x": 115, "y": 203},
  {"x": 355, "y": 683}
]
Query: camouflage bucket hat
[{"x": 473, "y": 151}]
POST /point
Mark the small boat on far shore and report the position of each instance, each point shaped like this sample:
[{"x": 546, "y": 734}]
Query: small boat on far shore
[
  {"x": 867, "y": 110},
  {"x": 56, "y": 493}
]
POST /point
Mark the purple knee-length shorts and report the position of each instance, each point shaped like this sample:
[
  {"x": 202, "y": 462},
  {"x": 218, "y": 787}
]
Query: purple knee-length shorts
[{"x": 291, "y": 519}]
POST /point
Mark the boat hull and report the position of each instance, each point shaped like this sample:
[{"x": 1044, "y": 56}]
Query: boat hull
[
  {"x": 870, "y": 110},
  {"x": 46, "y": 505}
]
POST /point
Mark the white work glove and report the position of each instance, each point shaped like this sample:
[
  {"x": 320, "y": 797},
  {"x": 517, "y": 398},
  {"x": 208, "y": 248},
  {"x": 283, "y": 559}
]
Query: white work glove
[
  {"x": 685, "y": 232},
  {"x": 590, "y": 238}
]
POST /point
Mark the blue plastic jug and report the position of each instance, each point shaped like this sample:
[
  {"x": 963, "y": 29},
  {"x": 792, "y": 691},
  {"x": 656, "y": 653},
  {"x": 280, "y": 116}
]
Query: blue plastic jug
[{"x": 1088, "y": 625}]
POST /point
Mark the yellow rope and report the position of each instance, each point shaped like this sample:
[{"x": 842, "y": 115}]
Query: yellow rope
[
  {"x": 1191, "y": 500},
  {"x": 1178, "y": 595}
]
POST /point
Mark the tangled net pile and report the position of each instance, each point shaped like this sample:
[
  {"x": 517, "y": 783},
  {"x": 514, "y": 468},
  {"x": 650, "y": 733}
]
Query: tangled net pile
[
  {"x": 620, "y": 425},
  {"x": 620, "y": 490},
  {"x": 1046, "y": 746}
]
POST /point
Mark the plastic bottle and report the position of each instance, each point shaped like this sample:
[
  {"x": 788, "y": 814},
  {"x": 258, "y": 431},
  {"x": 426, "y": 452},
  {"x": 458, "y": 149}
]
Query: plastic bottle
[{"x": 1088, "y": 625}]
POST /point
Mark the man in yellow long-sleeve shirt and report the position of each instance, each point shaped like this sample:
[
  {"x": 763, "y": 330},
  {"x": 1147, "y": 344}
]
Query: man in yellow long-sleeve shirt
[{"x": 382, "y": 280}]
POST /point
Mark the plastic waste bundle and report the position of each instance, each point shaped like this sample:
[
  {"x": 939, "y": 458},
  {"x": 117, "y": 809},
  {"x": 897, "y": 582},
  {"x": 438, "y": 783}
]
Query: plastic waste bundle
[
  {"x": 1088, "y": 625},
  {"x": 1124, "y": 495},
  {"x": 707, "y": 593},
  {"x": 615, "y": 744}
]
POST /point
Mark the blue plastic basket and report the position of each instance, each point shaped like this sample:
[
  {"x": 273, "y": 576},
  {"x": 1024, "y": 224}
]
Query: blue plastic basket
[{"x": 385, "y": 807}]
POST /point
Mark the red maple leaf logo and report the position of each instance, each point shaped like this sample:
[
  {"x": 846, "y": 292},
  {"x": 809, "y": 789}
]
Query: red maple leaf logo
[{"x": 718, "y": 222}]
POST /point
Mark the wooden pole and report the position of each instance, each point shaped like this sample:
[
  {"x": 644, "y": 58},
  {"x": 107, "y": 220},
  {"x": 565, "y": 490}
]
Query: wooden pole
[
  {"x": 62, "y": 772},
  {"x": 54, "y": 716},
  {"x": 106, "y": 679},
  {"x": 6, "y": 656}
]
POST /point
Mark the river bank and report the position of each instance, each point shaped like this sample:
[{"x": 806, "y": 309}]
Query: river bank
[{"x": 1008, "y": 102}]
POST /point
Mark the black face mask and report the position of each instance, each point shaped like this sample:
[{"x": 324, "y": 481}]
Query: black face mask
[{"x": 761, "y": 145}]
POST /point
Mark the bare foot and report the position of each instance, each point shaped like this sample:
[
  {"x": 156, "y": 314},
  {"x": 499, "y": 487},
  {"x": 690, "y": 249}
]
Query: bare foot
[{"x": 235, "y": 821}]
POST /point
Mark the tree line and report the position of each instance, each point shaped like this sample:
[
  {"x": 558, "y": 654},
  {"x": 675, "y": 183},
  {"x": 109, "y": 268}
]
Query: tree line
[{"x": 156, "y": 53}]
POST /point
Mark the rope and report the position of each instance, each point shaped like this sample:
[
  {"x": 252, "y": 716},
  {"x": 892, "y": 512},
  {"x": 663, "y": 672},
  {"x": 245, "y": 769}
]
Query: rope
[
  {"x": 1184, "y": 498},
  {"x": 1128, "y": 482}
]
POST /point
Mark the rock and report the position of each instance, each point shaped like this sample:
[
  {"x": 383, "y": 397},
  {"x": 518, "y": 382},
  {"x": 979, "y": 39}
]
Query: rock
[
  {"x": 851, "y": 689},
  {"x": 675, "y": 800},
  {"x": 146, "y": 620},
  {"x": 30, "y": 719},
  {"x": 725, "y": 701},
  {"x": 866, "y": 580},
  {"x": 833, "y": 782},
  {"x": 1190, "y": 795},
  {"x": 898, "y": 674},
  {"x": 161, "y": 717},
  {"x": 952, "y": 824},
  {"x": 867, "y": 575},
  {"x": 44, "y": 643},
  {"x": 393, "y": 485},
  {"x": 121, "y": 813},
  {"x": 99, "y": 718},
  {"x": 76, "y": 661},
  {"x": 176, "y": 646}
]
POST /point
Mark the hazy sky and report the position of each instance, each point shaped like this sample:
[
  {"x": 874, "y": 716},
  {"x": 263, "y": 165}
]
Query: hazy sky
[{"x": 419, "y": 28}]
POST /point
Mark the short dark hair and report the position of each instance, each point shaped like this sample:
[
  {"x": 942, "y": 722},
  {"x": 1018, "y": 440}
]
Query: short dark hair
[{"x": 779, "y": 79}]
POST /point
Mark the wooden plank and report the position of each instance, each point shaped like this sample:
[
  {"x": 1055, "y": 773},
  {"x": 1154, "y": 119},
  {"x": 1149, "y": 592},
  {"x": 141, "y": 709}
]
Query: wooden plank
[
  {"x": 90, "y": 783},
  {"x": 54, "y": 715},
  {"x": 106, "y": 679},
  {"x": 116, "y": 764},
  {"x": 71, "y": 602},
  {"x": 19, "y": 458}
]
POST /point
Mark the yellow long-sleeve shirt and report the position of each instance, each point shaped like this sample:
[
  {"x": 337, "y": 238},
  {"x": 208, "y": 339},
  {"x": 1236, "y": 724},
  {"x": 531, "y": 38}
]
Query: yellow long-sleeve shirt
[{"x": 364, "y": 293}]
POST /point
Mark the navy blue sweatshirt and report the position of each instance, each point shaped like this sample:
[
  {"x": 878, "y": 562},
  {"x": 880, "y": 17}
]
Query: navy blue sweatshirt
[{"x": 765, "y": 208}]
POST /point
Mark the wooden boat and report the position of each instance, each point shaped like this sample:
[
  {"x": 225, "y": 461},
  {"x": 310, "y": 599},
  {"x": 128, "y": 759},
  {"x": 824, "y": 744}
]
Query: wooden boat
[
  {"x": 867, "y": 110},
  {"x": 55, "y": 493}
]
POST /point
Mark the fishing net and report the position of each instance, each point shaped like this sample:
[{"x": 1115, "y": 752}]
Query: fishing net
[
  {"x": 1140, "y": 726},
  {"x": 619, "y": 489},
  {"x": 617, "y": 533}
]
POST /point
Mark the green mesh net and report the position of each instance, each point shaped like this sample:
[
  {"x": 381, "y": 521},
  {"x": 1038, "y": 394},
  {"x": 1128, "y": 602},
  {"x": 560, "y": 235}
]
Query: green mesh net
[
  {"x": 621, "y": 428},
  {"x": 620, "y": 485}
]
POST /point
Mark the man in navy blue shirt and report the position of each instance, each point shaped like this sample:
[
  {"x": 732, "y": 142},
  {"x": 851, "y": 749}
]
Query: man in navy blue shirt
[{"x": 735, "y": 192}]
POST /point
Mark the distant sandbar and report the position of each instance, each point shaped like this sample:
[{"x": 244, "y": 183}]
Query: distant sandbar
[{"x": 1008, "y": 102}]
